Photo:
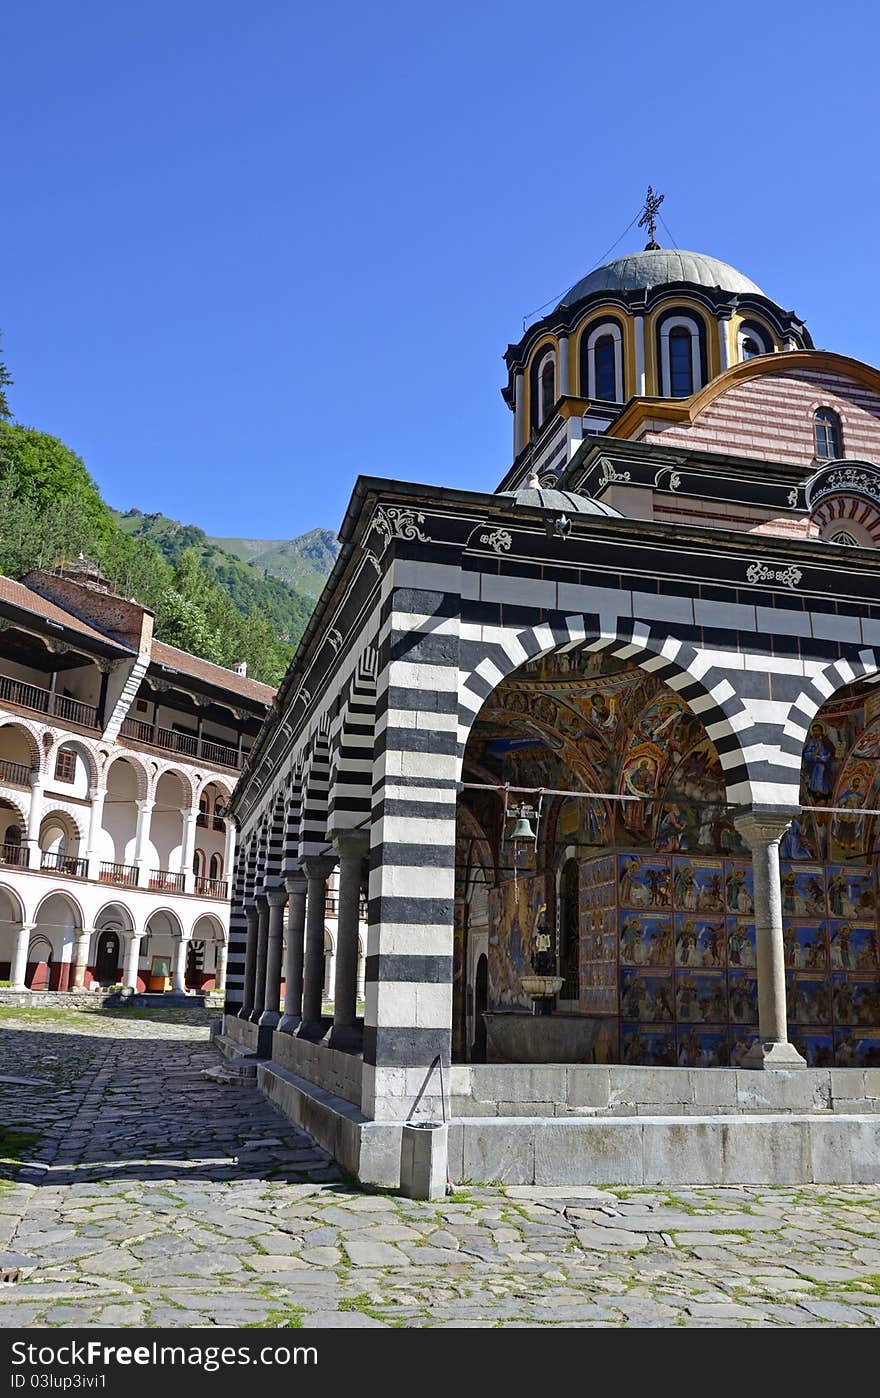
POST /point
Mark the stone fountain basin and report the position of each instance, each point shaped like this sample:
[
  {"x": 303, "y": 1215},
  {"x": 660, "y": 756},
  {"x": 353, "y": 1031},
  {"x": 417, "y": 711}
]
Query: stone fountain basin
[
  {"x": 542, "y": 987},
  {"x": 525, "y": 1038}
]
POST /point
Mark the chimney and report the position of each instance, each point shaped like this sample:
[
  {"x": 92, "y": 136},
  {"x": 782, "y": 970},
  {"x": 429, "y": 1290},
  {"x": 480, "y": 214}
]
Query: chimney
[{"x": 240, "y": 668}]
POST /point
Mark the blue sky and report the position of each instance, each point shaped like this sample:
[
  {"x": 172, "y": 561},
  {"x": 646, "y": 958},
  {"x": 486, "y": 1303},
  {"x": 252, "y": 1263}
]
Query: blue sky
[{"x": 249, "y": 251}]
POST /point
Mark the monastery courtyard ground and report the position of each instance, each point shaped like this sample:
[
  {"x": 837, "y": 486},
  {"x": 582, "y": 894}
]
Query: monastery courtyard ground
[{"x": 150, "y": 1195}]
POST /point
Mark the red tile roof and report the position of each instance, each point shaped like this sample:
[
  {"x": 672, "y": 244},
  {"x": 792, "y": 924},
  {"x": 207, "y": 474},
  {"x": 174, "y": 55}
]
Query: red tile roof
[
  {"x": 217, "y": 675},
  {"x": 27, "y": 601}
]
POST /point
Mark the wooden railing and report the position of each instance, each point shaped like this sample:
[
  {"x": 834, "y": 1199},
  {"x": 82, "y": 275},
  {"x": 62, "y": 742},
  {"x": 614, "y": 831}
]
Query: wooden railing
[
  {"x": 14, "y": 773},
  {"x": 13, "y": 854},
  {"x": 211, "y": 888},
  {"x": 124, "y": 874},
  {"x": 64, "y": 863},
  {"x": 166, "y": 881},
  {"x": 185, "y": 743},
  {"x": 31, "y": 696}
]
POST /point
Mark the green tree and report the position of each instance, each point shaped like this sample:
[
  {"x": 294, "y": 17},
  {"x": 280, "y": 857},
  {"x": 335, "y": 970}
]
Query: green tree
[{"x": 5, "y": 380}]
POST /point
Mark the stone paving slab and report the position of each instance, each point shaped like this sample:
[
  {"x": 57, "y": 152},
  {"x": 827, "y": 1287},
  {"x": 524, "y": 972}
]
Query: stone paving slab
[{"x": 147, "y": 1193}]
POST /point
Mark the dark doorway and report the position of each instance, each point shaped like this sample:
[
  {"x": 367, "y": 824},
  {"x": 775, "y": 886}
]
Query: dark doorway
[
  {"x": 107, "y": 958},
  {"x": 481, "y": 1004}
]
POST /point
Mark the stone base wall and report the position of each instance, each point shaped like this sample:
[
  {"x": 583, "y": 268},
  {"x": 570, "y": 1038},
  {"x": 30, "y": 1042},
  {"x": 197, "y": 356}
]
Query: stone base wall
[
  {"x": 339, "y": 1073},
  {"x": 241, "y": 1031},
  {"x": 60, "y": 1000},
  {"x": 586, "y": 1090}
]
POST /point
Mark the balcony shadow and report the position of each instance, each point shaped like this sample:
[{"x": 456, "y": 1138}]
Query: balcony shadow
[{"x": 95, "y": 1109}]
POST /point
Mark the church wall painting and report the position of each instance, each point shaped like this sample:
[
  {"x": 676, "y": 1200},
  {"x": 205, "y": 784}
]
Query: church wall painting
[{"x": 667, "y": 919}]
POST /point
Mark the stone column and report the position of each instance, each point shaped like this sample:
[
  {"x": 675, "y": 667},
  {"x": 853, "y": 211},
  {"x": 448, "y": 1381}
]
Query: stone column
[
  {"x": 317, "y": 872},
  {"x": 81, "y": 957},
  {"x": 132, "y": 957},
  {"x": 35, "y": 816},
  {"x": 562, "y": 387},
  {"x": 639, "y": 327},
  {"x": 262, "y": 907},
  {"x": 189, "y": 849},
  {"x": 277, "y": 899},
  {"x": 519, "y": 413},
  {"x": 293, "y": 961},
  {"x": 229, "y": 852},
  {"x": 353, "y": 846},
  {"x": 96, "y": 816},
  {"x": 220, "y": 969},
  {"x": 762, "y": 831},
  {"x": 250, "y": 964},
  {"x": 724, "y": 343},
  {"x": 142, "y": 839},
  {"x": 18, "y": 970},
  {"x": 178, "y": 977}
]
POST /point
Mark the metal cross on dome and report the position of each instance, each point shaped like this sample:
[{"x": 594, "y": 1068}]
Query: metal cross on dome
[{"x": 649, "y": 216}]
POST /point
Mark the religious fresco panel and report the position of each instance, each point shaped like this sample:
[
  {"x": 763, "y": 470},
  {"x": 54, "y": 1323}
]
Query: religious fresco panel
[{"x": 667, "y": 945}]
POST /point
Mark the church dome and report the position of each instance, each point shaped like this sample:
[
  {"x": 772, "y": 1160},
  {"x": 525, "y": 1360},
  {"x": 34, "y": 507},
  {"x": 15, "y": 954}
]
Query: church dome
[
  {"x": 640, "y": 271},
  {"x": 533, "y": 496}
]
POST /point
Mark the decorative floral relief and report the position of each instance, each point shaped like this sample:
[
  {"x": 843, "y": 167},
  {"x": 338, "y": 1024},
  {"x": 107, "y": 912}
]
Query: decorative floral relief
[
  {"x": 334, "y": 636},
  {"x": 395, "y": 522},
  {"x": 500, "y": 540},
  {"x": 759, "y": 573},
  {"x": 609, "y": 475}
]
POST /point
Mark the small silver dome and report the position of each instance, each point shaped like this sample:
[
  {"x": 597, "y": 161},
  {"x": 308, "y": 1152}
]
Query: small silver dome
[
  {"x": 639, "y": 271},
  {"x": 534, "y": 495}
]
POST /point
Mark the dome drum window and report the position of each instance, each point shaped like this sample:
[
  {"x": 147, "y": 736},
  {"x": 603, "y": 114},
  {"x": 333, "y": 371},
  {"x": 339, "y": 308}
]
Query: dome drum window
[
  {"x": 681, "y": 354},
  {"x": 543, "y": 387},
  {"x": 752, "y": 340},
  {"x": 602, "y": 363}
]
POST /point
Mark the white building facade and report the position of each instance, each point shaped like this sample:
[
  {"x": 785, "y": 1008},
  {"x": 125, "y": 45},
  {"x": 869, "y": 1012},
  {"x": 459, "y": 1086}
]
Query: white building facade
[{"x": 118, "y": 758}]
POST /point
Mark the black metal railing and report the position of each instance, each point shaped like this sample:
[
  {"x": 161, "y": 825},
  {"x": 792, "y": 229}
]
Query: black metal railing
[
  {"x": 31, "y": 696},
  {"x": 14, "y": 773},
  {"x": 64, "y": 863},
  {"x": 185, "y": 743},
  {"x": 210, "y": 888},
  {"x": 166, "y": 881},
  {"x": 124, "y": 874}
]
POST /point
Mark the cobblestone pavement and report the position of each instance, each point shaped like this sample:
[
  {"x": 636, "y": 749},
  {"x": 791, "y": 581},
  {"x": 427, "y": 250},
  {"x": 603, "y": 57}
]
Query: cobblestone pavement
[{"x": 155, "y": 1196}]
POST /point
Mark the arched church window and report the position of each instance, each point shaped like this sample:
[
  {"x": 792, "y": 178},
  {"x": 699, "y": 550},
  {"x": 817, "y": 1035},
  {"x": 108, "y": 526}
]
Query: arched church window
[
  {"x": 681, "y": 346},
  {"x": 752, "y": 341},
  {"x": 681, "y": 371},
  {"x": 606, "y": 378},
  {"x": 569, "y": 930},
  {"x": 827, "y": 434},
  {"x": 216, "y": 867},
  {"x": 548, "y": 388},
  {"x": 602, "y": 363}
]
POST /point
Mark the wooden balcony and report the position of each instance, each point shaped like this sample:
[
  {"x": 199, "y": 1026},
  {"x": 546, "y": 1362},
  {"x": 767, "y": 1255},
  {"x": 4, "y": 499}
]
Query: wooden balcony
[
  {"x": 211, "y": 888},
  {"x": 165, "y": 881},
  {"x": 16, "y": 855},
  {"x": 64, "y": 864},
  {"x": 14, "y": 773},
  {"x": 187, "y": 744},
  {"x": 126, "y": 875},
  {"x": 43, "y": 701}
]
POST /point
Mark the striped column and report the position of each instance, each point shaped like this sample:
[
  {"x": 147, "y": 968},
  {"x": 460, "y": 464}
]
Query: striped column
[
  {"x": 236, "y": 959},
  {"x": 262, "y": 907},
  {"x": 317, "y": 871},
  {"x": 408, "y": 1018},
  {"x": 277, "y": 900},
  {"x": 293, "y": 962},
  {"x": 250, "y": 964}
]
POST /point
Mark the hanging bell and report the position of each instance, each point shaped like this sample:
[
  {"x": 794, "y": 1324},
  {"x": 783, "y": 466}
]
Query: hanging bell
[{"x": 523, "y": 829}]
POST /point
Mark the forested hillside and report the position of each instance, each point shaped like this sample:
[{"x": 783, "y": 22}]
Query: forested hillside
[{"x": 205, "y": 600}]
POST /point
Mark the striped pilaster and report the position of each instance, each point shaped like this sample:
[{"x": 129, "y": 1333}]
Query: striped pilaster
[
  {"x": 408, "y": 1018},
  {"x": 316, "y": 786},
  {"x": 350, "y": 797},
  {"x": 237, "y": 947}
]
